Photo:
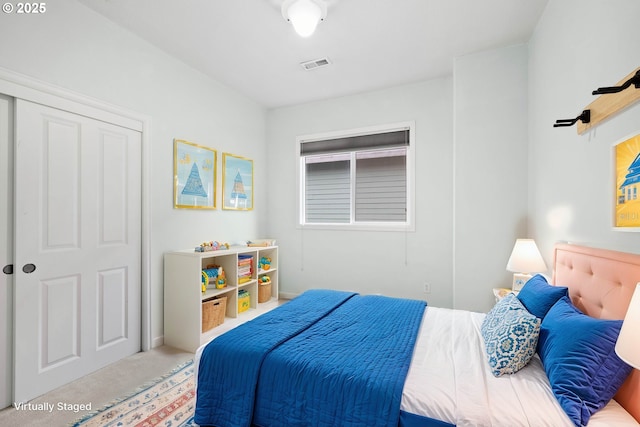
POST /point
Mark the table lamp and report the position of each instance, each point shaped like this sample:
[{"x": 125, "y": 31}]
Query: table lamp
[
  {"x": 628, "y": 345},
  {"x": 524, "y": 260}
]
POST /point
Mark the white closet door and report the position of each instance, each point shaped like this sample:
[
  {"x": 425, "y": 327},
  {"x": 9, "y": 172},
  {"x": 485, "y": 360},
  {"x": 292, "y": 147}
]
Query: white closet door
[{"x": 77, "y": 267}]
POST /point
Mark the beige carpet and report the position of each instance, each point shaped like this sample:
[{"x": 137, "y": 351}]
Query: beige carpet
[{"x": 98, "y": 389}]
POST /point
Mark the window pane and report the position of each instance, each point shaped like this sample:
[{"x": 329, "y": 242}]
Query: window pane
[
  {"x": 381, "y": 186},
  {"x": 357, "y": 179},
  {"x": 327, "y": 192}
]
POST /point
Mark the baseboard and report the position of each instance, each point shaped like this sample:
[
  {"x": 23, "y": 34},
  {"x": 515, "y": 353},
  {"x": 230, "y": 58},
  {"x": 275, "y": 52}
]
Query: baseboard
[
  {"x": 287, "y": 295},
  {"x": 157, "y": 341}
]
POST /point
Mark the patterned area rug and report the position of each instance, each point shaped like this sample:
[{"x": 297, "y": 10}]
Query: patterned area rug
[{"x": 166, "y": 402}]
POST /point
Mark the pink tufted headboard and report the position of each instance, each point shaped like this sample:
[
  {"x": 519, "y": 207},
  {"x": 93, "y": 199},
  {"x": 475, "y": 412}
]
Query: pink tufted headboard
[{"x": 601, "y": 283}]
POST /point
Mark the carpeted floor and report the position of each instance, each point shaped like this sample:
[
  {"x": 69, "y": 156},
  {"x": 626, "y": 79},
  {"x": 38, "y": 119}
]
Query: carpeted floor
[{"x": 97, "y": 389}]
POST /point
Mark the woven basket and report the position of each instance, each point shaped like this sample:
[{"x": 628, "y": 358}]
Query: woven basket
[
  {"x": 264, "y": 292},
  {"x": 213, "y": 311}
]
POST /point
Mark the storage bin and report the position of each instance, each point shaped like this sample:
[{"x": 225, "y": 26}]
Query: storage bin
[
  {"x": 213, "y": 311},
  {"x": 244, "y": 300},
  {"x": 264, "y": 291}
]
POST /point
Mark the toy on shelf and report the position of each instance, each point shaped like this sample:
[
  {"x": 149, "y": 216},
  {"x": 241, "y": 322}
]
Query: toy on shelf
[
  {"x": 265, "y": 280},
  {"x": 265, "y": 263},
  {"x": 213, "y": 275},
  {"x": 213, "y": 245},
  {"x": 209, "y": 275},
  {"x": 222, "y": 279},
  {"x": 244, "y": 300}
]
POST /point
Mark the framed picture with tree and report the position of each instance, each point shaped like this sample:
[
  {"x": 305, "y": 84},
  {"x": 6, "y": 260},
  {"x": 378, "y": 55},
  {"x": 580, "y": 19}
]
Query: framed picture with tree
[
  {"x": 237, "y": 182},
  {"x": 194, "y": 175}
]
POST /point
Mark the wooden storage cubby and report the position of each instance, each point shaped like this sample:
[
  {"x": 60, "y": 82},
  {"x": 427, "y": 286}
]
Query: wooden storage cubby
[{"x": 183, "y": 295}]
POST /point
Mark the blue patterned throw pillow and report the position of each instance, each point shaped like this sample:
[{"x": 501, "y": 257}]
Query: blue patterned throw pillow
[{"x": 510, "y": 336}]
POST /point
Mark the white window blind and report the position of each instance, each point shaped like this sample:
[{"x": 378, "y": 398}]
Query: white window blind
[{"x": 356, "y": 179}]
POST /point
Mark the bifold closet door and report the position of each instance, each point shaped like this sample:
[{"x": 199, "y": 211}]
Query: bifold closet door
[{"x": 77, "y": 248}]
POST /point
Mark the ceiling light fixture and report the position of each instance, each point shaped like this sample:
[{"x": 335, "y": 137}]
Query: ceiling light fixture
[{"x": 304, "y": 14}]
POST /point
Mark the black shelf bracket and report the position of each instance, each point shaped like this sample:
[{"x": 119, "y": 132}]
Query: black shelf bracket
[
  {"x": 635, "y": 80},
  {"x": 584, "y": 117}
]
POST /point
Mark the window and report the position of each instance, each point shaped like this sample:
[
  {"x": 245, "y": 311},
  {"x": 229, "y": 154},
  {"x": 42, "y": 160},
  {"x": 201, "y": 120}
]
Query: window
[{"x": 359, "y": 180}]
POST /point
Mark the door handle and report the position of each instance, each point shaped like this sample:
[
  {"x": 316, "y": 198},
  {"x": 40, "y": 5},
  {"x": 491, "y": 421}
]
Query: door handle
[
  {"x": 8, "y": 269},
  {"x": 29, "y": 268}
]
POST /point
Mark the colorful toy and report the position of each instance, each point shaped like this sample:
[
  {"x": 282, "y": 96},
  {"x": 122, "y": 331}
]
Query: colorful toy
[
  {"x": 244, "y": 300},
  {"x": 209, "y": 275},
  {"x": 222, "y": 279},
  {"x": 211, "y": 246},
  {"x": 213, "y": 275},
  {"x": 265, "y": 280},
  {"x": 265, "y": 263}
]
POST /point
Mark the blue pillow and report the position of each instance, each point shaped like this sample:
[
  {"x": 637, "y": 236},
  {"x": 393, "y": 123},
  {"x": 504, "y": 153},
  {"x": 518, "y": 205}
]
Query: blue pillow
[
  {"x": 510, "y": 336},
  {"x": 578, "y": 355},
  {"x": 538, "y": 296}
]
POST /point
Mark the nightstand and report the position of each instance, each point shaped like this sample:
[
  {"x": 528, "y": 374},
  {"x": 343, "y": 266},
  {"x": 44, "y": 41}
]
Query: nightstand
[{"x": 500, "y": 293}]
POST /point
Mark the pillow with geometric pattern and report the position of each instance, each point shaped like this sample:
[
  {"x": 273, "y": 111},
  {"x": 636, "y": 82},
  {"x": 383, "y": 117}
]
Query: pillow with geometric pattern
[{"x": 510, "y": 336}]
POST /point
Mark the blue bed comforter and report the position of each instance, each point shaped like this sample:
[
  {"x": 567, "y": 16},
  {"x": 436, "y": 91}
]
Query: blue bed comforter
[
  {"x": 326, "y": 359},
  {"x": 230, "y": 364}
]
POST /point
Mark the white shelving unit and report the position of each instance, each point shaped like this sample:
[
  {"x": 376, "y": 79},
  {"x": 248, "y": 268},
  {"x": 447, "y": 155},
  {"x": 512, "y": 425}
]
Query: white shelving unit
[{"x": 183, "y": 294}]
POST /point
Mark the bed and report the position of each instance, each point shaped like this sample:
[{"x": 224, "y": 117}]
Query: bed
[{"x": 325, "y": 359}]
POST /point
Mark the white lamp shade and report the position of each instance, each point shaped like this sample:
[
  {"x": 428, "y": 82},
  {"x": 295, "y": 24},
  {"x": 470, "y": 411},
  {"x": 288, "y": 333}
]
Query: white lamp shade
[
  {"x": 526, "y": 258},
  {"x": 304, "y": 15},
  {"x": 628, "y": 345}
]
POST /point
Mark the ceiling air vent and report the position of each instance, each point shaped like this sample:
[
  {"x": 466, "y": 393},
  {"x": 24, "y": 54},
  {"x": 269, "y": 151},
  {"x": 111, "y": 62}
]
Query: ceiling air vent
[{"x": 316, "y": 63}]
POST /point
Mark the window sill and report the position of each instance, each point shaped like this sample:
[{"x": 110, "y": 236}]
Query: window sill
[{"x": 360, "y": 227}]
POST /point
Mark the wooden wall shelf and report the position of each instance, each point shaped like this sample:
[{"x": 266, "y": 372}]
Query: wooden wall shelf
[{"x": 609, "y": 104}]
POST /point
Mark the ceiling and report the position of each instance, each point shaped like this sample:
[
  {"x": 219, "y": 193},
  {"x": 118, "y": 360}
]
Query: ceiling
[{"x": 371, "y": 44}]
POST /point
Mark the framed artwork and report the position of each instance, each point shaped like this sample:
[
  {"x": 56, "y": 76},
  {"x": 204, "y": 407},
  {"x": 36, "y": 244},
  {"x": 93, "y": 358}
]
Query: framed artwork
[
  {"x": 626, "y": 165},
  {"x": 237, "y": 182},
  {"x": 194, "y": 175}
]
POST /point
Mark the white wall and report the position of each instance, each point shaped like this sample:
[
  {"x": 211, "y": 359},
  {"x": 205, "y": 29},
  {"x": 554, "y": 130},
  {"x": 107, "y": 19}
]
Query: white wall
[
  {"x": 578, "y": 46},
  {"x": 471, "y": 187},
  {"x": 73, "y": 47},
  {"x": 490, "y": 158},
  {"x": 391, "y": 263}
]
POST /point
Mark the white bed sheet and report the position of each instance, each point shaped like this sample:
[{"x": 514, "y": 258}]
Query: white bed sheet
[{"x": 450, "y": 380}]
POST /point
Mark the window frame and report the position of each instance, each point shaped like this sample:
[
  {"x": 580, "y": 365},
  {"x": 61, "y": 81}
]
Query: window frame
[{"x": 408, "y": 225}]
